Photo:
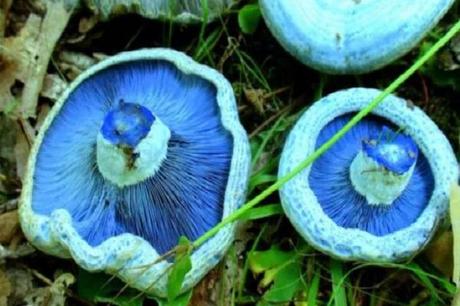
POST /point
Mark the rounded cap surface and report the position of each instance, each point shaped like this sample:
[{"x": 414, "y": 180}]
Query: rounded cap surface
[{"x": 350, "y": 36}]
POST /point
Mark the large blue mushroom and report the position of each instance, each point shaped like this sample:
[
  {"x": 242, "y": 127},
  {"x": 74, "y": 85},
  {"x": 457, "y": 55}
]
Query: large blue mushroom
[
  {"x": 379, "y": 193},
  {"x": 143, "y": 148},
  {"x": 350, "y": 36}
]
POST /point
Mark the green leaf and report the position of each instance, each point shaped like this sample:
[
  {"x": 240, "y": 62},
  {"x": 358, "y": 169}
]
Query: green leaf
[
  {"x": 262, "y": 212},
  {"x": 439, "y": 76},
  {"x": 261, "y": 261},
  {"x": 181, "y": 266},
  {"x": 181, "y": 300},
  {"x": 338, "y": 290},
  {"x": 261, "y": 179},
  {"x": 101, "y": 288},
  {"x": 421, "y": 274},
  {"x": 286, "y": 283},
  {"x": 281, "y": 271},
  {"x": 313, "y": 290},
  {"x": 249, "y": 18}
]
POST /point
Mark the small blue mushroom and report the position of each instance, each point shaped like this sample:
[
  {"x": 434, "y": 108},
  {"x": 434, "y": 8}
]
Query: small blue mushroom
[
  {"x": 143, "y": 148},
  {"x": 379, "y": 193},
  {"x": 351, "y": 36}
]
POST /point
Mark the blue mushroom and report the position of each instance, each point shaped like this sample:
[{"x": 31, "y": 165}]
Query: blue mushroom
[
  {"x": 143, "y": 148},
  {"x": 379, "y": 193},
  {"x": 351, "y": 36}
]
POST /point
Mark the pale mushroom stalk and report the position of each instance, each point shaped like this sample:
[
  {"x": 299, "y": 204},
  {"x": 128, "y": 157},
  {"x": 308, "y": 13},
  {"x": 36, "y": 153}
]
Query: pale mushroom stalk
[
  {"x": 131, "y": 145},
  {"x": 383, "y": 167}
]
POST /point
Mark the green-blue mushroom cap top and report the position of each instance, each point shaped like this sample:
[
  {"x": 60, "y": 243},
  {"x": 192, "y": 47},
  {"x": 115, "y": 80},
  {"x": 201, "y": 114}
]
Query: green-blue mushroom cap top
[
  {"x": 143, "y": 148},
  {"x": 351, "y": 36},
  {"x": 377, "y": 194}
]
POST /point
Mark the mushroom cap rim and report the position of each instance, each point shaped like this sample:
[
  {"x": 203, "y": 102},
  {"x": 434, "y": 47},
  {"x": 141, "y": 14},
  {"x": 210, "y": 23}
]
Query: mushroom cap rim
[
  {"x": 51, "y": 234},
  {"x": 305, "y": 213}
]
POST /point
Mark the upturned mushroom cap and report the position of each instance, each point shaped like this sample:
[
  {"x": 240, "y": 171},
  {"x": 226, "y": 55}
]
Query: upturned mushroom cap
[
  {"x": 351, "y": 36},
  {"x": 379, "y": 193},
  {"x": 143, "y": 147},
  {"x": 182, "y": 11}
]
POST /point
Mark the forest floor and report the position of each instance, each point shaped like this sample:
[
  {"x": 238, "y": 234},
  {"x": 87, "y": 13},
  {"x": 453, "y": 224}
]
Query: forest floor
[{"x": 272, "y": 90}]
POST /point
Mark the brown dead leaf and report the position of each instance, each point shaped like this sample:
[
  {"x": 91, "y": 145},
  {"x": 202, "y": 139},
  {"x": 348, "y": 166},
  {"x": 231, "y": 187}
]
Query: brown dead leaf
[
  {"x": 21, "y": 150},
  {"x": 19, "y": 251},
  {"x": 8, "y": 179},
  {"x": 440, "y": 253},
  {"x": 256, "y": 97},
  {"x": 4, "y": 8},
  {"x": 79, "y": 60},
  {"x": 24, "y": 59},
  {"x": 87, "y": 23},
  {"x": 455, "y": 220},
  {"x": 9, "y": 226},
  {"x": 53, "y": 295},
  {"x": 53, "y": 87},
  {"x": 5, "y": 288},
  {"x": 43, "y": 111},
  {"x": 21, "y": 281}
]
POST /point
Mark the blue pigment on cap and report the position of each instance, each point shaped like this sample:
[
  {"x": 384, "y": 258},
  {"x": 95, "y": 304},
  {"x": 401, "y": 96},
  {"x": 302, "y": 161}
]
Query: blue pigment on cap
[
  {"x": 395, "y": 151},
  {"x": 127, "y": 124}
]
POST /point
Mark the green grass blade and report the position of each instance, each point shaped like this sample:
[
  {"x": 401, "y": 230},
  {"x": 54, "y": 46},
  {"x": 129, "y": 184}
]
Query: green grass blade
[
  {"x": 310, "y": 159},
  {"x": 339, "y": 296}
]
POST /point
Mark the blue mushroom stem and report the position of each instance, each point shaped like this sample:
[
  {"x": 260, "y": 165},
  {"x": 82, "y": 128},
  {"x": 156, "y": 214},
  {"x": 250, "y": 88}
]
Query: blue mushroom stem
[
  {"x": 384, "y": 166},
  {"x": 131, "y": 145}
]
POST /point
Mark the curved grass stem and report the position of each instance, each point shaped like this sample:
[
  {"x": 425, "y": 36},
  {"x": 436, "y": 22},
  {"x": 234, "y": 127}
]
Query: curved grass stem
[{"x": 353, "y": 121}]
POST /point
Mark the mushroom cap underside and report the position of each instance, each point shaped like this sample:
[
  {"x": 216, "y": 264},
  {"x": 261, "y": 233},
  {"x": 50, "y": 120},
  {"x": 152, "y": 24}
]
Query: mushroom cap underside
[
  {"x": 327, "y": 211},
  {"x": 68, "y": 209}
]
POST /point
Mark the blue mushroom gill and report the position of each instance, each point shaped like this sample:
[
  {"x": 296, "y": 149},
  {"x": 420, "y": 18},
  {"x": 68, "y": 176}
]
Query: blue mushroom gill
[
  {"x": 331, "y": 176},
  {"x": 183, "y": 197}
]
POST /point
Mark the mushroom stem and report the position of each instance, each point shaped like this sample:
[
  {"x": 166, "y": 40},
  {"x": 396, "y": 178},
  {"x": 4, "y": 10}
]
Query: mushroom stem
[
  {"x": 131, "y": 145},
  {"x": 383, "y": 167}
]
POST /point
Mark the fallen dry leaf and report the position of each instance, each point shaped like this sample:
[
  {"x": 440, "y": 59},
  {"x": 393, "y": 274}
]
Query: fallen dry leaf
[
  {"x": 43, "y": 111},
  {"x": 455, "y": 220},
  {"x": 24, "y": 59},
  {"x": 8, "y": 131},
  {"x": 21, "y": 150},
  {"x": 87, "y": 23},
  {"x": 21, "y": 281},
  {"x": 440, "y": 253},
  {"x": 53, "y": 87},
  {"x": 9, "y": 226},
  {"x": 256, "y": 97},
  {"x": 5, "y": 288},
  {"x": 54, "y": 295},
  {"x": 19, "y": 251},
  {"x": 4, "y": 8}
]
